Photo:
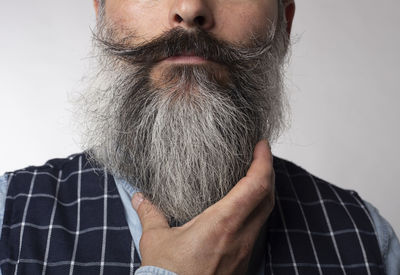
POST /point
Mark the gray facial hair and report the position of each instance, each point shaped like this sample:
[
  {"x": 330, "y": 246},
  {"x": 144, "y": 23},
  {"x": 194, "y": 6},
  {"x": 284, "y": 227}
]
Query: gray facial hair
[{"x": 185, "y": 143}]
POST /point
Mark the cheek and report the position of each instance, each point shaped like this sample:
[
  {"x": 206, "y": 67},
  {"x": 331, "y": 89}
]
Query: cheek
[
  {"x": 146, "y": 19},
  {"x": 243, "y": 19}
]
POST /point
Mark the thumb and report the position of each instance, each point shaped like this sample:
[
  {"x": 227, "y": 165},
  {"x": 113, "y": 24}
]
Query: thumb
[{"x": 150, "y": 216}]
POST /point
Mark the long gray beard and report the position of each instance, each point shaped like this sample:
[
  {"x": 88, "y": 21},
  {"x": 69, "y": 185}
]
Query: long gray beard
[{"x": 187, "y": 142}]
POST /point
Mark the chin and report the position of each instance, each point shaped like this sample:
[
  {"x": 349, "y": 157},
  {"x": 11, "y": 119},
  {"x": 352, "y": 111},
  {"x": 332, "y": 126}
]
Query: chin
[{"x": 171, "y": 74}]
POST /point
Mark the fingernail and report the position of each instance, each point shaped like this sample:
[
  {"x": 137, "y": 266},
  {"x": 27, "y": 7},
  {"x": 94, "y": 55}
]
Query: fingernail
[{"x": 137, "y": 200}]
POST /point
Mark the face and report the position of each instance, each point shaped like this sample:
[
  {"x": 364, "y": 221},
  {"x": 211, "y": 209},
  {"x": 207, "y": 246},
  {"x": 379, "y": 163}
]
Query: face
[
  {"x": 234, "y": 21},
  {"x": 183, "y": 91},
  {"x": 229, "y": 20}
]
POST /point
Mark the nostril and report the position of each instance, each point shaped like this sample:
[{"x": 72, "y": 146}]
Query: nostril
[
  {"x": 199, "y": 20},
  {"x": 178, "y": 18}
]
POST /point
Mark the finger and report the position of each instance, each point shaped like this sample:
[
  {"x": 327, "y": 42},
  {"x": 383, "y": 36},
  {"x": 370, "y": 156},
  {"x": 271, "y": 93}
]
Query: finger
[
  {"x": 150, "y": 216},
  {"x": 259, "y": 180},
  {"x": 251, "y": 190},
  {"x": 254, "y": 230},
  {"x": 260, "y": 215},
  {"x": 262, "y": 161}
]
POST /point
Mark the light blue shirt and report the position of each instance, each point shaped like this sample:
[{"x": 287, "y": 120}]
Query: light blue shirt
[{"x": 388, "y": 242}]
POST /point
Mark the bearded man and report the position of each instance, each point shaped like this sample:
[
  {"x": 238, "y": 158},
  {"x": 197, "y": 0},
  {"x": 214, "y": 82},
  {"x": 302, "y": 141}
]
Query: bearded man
[{"x": 177, "y": 176}]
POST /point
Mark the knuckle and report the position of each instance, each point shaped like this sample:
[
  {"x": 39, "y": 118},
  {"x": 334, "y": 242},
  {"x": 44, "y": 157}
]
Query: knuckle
[
  {"x": 265, "y": 184},
  {"x": 264, "y": 187},
  {"x": 227, "y": 225}
]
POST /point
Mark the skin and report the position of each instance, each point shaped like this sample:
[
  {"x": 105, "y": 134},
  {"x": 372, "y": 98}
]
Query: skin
[
  {"x": 219, "y": 240},
  {"x": 229, "y": 20}
]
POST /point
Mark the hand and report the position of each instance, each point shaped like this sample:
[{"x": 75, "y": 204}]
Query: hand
[{"x": 219, "y": 240}]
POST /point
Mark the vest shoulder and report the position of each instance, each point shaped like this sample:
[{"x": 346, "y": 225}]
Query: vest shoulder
[
  {"x": 302, "y": 181},
  {"x": 319, "y": 223},
  {"x": 52, "y": 167},
  {"x": 67, "y": 174}
]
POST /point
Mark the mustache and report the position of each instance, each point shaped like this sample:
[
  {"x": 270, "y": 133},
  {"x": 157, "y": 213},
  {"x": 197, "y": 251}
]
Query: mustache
[{"x": 179, "y": 41}]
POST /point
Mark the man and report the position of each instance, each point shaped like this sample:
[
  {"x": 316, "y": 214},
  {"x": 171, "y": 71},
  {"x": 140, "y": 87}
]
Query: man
[{"x": 184, "y": 97}]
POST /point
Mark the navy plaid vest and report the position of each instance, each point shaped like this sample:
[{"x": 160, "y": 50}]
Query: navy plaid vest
[{"x": 66, "y": 217}]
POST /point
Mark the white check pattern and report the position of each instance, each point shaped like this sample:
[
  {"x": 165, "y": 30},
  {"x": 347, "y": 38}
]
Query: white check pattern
[
  {"x": 318, "y": 228},
  {"x": 65, "y": 238},
  {"x": 315, "y": 228}
]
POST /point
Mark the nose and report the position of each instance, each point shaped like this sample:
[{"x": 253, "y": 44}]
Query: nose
[{"x": 191, "y": 14}]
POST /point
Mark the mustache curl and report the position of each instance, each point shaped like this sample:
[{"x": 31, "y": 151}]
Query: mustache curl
[{"x": 179, "y": 41}]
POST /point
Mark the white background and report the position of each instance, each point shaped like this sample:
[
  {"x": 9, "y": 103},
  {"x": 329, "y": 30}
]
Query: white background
[{"x": 343, "y": 83}]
